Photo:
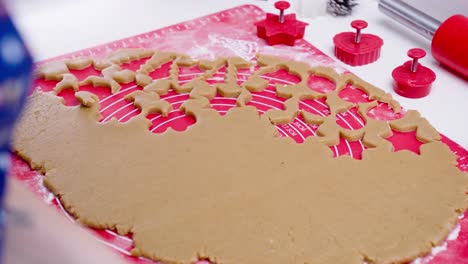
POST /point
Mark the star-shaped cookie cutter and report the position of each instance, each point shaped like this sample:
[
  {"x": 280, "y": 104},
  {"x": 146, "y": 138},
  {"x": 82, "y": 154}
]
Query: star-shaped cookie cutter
[{"x": 281, "y": 29}]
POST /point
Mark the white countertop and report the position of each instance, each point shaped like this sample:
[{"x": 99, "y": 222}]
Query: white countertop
[{"x": 55, "y": 27}]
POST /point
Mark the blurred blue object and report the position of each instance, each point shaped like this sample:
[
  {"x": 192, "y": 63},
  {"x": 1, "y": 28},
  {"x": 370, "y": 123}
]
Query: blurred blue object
[{"x": 15, "y": 78}]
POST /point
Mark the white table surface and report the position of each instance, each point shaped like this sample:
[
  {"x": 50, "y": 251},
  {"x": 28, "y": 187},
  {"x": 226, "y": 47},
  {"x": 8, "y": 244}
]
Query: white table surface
[{"x": 55, "y": 27}]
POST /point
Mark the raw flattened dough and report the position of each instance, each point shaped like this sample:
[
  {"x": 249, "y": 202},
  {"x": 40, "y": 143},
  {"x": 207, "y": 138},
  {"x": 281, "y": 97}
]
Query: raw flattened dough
[{"x": 229, "y": 189}]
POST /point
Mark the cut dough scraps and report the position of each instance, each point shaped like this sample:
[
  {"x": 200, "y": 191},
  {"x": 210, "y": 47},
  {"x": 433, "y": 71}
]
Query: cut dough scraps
[
  {"x": 69, "y": 81},
  {"x": 149, "y": 103},
  {"x": 111, "y": 77},
  {"x": 87, "y": 99},
  {"x": 122, "y": 56},
  {"x": 413, "y": 121}
]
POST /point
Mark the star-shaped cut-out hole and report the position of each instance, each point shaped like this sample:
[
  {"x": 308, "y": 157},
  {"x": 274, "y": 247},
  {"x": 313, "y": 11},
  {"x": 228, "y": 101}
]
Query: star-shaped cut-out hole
[{"x": 405, "y": 140}]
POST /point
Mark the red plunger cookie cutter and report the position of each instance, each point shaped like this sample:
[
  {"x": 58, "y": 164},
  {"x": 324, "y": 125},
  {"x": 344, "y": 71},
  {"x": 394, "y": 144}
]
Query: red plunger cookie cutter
[
  {"x": 413, "y": 80},
  {"x": 281, "y": 29},
  {"x": 357, "y": 49}
]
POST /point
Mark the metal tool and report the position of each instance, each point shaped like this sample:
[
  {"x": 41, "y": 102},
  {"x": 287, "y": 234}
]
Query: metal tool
[
  {"x": 449, "y": 38},
  {"x": 411, "y": 17}
]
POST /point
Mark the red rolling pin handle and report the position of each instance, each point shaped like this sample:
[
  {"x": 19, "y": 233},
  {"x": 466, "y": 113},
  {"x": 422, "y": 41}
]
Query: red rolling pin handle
[{"x": 450, "y": 44}]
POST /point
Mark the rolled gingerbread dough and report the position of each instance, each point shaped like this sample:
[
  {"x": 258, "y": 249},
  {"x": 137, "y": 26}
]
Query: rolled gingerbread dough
[{"x": 231, "y": 190}]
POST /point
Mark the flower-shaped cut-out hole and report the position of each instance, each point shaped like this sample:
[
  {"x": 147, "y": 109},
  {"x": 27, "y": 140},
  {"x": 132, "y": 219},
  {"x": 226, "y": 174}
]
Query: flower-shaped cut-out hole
[{"x": 175, "y": 120}]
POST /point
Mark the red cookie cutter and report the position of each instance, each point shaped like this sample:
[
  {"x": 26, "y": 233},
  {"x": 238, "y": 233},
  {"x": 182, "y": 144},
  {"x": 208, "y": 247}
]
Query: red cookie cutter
[
  {"x": 281, "y": 29},
  {"x": 357, "y": 49},
  {"x": 413, "y": 80}
]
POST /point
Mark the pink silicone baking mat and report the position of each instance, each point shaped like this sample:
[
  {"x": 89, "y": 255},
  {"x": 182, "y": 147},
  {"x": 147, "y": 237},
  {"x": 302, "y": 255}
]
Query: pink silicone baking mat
[{"x": 232, "y": 33}]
